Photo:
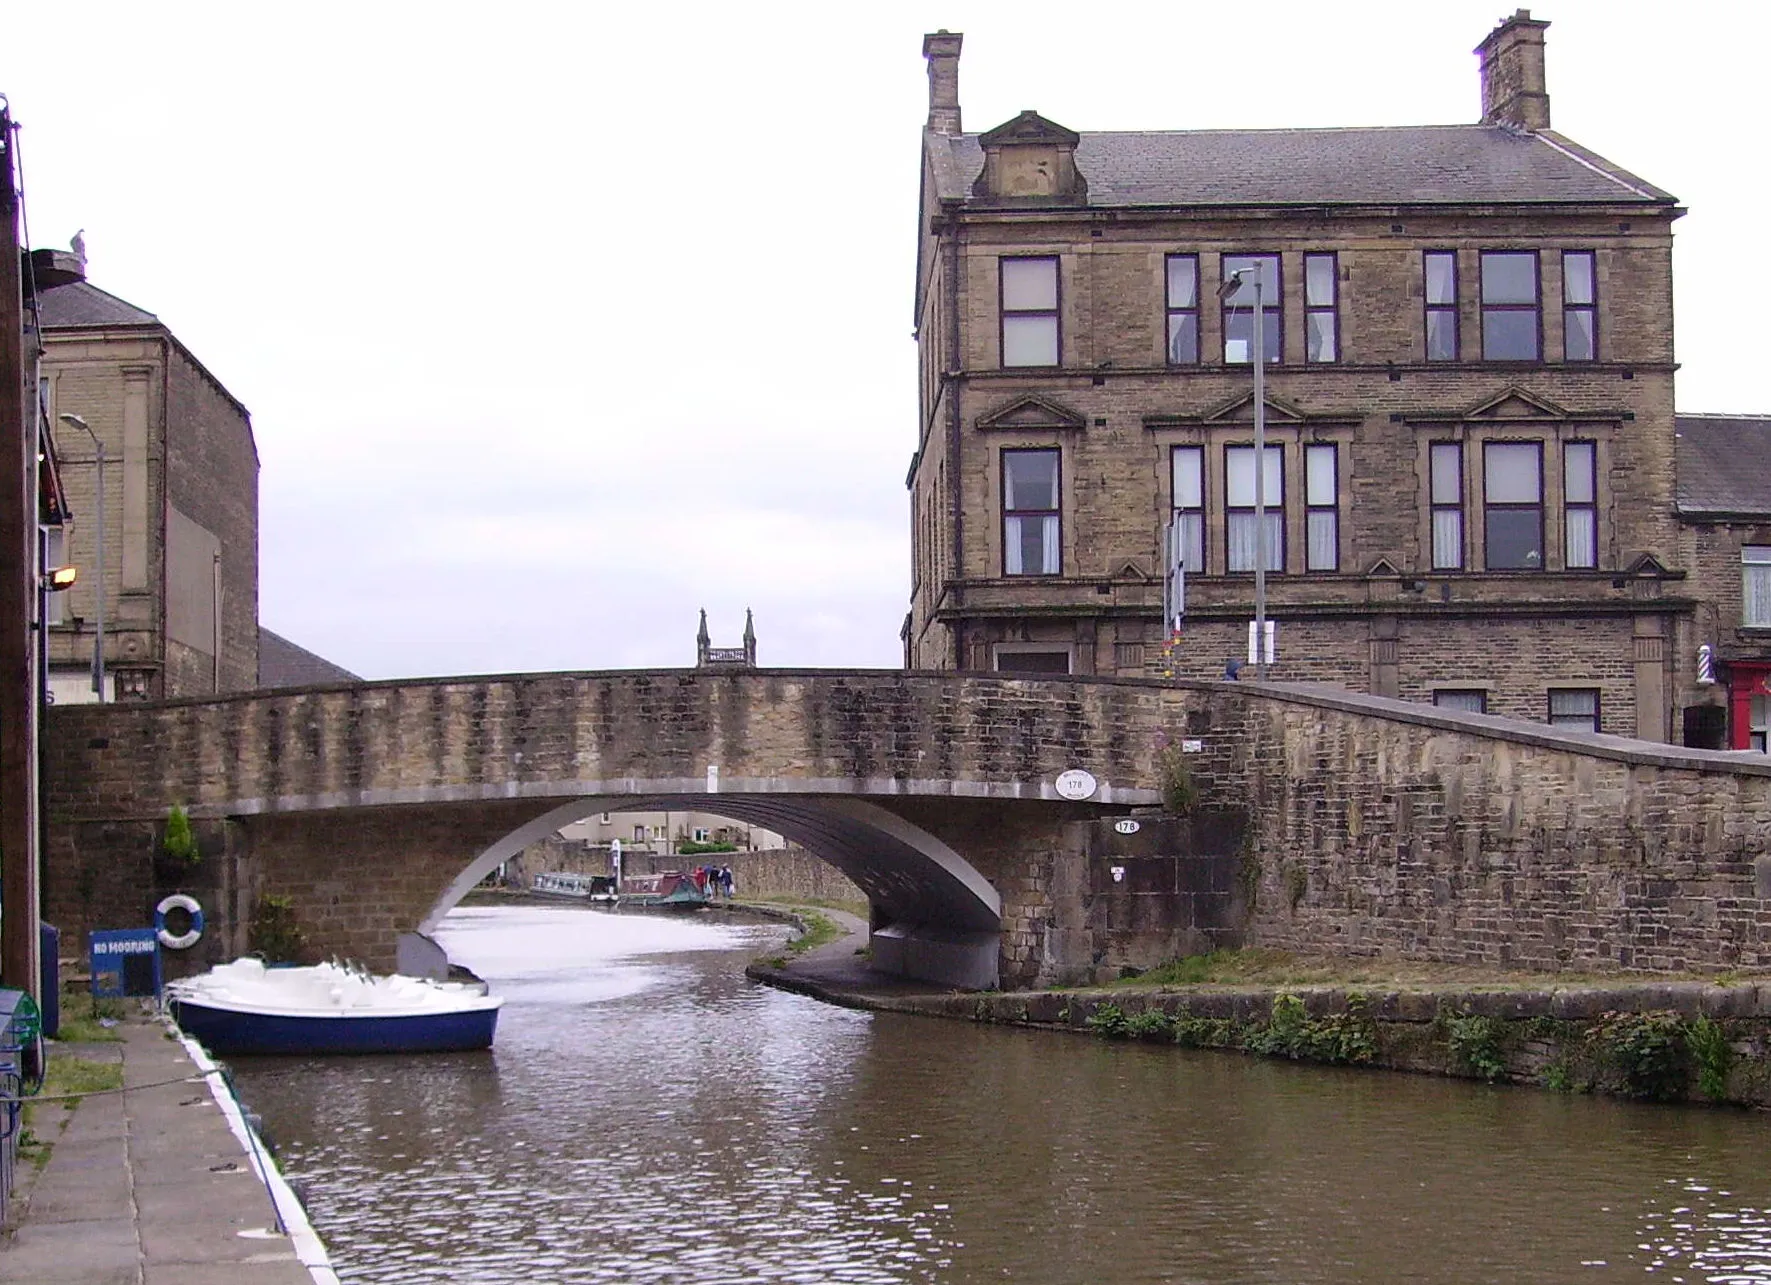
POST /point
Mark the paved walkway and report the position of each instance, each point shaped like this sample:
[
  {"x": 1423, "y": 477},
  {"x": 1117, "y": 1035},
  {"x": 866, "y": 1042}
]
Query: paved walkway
[{"x": 153, "y": 1185}]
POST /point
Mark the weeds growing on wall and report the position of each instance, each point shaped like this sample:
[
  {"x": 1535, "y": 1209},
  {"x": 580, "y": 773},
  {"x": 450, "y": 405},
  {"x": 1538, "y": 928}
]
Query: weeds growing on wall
[
  {"x": 273, "y": 934},
  {"x": 1713, "y": 1055},
  {"x": 1180, "y": 793},
  {"x": 1349, "y": 1037},
  {"x": 1475, "y": 1044}
]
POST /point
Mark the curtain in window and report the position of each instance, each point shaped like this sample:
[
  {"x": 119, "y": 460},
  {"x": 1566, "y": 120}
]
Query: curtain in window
[
  {"x": 1243, "y": 541},
  {"x": 1032, "y": 546},
  {"x": 1323, "y": 532},
  {"x": 1582, "y": 538},
  {"x": 1448, "y": 538},
  {"x": 1193, "y": 543},
  {"x": 1755, "y": 595}
]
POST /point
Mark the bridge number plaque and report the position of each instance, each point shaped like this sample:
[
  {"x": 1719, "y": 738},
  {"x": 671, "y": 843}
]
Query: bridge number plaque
[
  {"x": 1127, "y": 826},
  {"x": 1075, "y": 784}
]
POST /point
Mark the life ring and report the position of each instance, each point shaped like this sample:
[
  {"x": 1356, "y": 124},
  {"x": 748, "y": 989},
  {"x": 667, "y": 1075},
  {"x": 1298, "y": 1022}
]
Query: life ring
[{"x": 191, "y": 935}]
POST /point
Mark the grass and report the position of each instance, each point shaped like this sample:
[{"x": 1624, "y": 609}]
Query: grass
[
  {"x": 1256, "y": 967},
  {"x": 820, "y": 930},
  {"x": 80, "y": 1014},
  {"x": 856, "y": 908}
]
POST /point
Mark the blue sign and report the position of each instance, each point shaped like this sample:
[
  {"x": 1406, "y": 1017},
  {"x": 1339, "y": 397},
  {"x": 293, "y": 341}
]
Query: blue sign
[{"x": 125, "y": 961}]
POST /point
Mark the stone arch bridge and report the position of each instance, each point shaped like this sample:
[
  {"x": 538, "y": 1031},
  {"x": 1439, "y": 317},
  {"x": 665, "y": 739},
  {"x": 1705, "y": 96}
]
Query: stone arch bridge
[{"x": 1323, "y": 819}]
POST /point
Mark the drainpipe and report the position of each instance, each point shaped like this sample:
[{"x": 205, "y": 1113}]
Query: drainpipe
[
  {"x": 950, "y": 376},
  {"x": 215, "y": 615}
]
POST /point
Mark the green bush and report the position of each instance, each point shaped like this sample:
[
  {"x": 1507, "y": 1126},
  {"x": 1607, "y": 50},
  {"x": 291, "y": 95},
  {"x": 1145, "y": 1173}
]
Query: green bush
[
  {"x": 1287, "y": 1033},
  {"x": 1152, "y": 1024},
  {"x": 1648, "y": 1053},
  {"x": 689, "y": 848},
  {"x": 178, "y": 843},
  {"x": 1109, "y": 1022}
]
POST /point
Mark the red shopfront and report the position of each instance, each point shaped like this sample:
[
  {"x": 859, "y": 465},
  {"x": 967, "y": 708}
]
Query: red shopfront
[{"x": 1749, "y": 705}]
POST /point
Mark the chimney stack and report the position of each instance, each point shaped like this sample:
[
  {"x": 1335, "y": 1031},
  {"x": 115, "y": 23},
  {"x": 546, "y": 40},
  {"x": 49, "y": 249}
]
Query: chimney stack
[
  {"x": 1513, "y": 90},
  {"x": 942, "y": 52}
]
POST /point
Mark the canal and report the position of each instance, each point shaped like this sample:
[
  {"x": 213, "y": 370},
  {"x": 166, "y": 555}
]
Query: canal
[{"x": 648, "y": 1114}]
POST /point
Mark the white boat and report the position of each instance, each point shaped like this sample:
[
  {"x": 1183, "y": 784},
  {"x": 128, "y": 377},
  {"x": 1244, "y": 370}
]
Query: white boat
[{"x": 246, "y": 1007}]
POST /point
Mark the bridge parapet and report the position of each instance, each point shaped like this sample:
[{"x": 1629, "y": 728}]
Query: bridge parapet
[{"x": 1374, "y": 826}]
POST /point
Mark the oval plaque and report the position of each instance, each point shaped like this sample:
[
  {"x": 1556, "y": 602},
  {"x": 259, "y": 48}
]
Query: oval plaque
[
  {"x": 1127, "y": 826},
  {"x": 1075, "y": 784}
]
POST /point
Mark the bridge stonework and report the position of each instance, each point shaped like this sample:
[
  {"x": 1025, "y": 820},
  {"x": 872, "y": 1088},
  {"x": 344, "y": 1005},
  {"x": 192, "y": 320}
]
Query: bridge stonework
[{"x": 1367, "y": 826}]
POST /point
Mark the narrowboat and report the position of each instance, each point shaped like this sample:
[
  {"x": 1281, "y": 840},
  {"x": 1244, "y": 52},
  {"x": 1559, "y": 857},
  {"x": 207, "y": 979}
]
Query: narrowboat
[{"x": 670, "y": 890}]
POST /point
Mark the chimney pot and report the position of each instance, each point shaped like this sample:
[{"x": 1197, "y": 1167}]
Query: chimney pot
[
  {"x": 942, "y": 51},
  {"x": 1513, "y": 86}
]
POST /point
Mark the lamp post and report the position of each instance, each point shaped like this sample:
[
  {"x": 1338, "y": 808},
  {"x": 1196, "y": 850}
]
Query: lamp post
[
  {"x": 98, "y": 641},
  {"x": 1230, "y": 286}
]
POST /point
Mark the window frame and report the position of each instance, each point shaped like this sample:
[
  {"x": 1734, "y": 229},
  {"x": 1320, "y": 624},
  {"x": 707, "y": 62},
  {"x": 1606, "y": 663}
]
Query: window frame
[
  {"x": 1276, "y": 306},
  {"x": 1480, "y": 693},
  {"x": 1275, "y": 512},
  {"x": 1565, "y": 720},
  {"x": 1055, "y": 312},
  {"x": 1590, "y": 307},
  {"x": 1429, "y": 308},
  {"x": 54, "y": 555},
  {"x": 1331, "y": 309},
  {"x": 1008, "y": 514},
  {"x": 1313, "y": 509},
  {"x": 1195, "y": 514},
  {"x": 1535, "y": 307},
  {"x": 1001, "y": 649},
  {"x": 1590, "y": 506},
  {"x": 1748, "y": 574},
  {"x": 1457, "y": 506},
  {"x": 1170, "y": 312},
  {"x": 1489, "y": 508}
]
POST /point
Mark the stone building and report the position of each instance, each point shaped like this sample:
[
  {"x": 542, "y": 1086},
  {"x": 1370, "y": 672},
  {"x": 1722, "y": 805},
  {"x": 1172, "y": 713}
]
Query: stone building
[
  {"x": 180, "y": 505},
  {"x": 1469, "y": 473},
  {"x": 1725, "y": 505}
]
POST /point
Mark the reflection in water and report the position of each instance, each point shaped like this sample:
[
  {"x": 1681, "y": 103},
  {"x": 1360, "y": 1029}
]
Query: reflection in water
[{"x": 649, "y": 1115}]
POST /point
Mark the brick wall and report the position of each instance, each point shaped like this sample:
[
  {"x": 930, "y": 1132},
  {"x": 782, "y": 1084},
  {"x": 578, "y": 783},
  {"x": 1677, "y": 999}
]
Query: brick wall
[{"x": 212, "y": 478}]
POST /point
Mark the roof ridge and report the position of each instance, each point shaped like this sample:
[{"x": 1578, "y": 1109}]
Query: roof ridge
[{"x": 1575, "y": 156}]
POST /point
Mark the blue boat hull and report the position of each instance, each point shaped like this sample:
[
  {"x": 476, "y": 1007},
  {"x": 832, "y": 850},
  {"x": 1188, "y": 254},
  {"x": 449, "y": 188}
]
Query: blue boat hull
[{"x": 228, "y": 1033}]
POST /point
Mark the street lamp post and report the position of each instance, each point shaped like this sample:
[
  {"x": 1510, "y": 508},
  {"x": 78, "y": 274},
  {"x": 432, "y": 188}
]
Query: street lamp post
[
  {"x": 98, "y": 641},
  {"x": 1231, "y": 285}
]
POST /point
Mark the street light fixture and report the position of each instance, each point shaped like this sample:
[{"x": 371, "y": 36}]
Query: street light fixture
[
  {"x": 1231, "y": 285},
  {"x": 98, "y": 641}
]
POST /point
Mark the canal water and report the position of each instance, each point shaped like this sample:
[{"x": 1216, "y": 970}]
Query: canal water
[{"x": 650, "y": 1115}]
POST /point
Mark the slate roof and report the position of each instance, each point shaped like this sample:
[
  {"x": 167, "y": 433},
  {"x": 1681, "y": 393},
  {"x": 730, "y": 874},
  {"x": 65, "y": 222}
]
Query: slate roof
[
  {"x": 81, "y": 304},
  {"x": 1399, "y": 165},
  {"x": 282, "y": 664},
  {"x": 1724, "y": 464}
]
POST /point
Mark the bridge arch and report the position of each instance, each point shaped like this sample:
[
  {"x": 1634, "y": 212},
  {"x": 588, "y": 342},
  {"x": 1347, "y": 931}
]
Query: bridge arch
[{"x": 935, "y": 915}]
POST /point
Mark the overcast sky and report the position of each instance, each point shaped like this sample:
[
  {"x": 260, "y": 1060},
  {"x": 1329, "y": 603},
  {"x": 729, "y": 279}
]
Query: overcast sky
[{"x": 559, "y": 322}]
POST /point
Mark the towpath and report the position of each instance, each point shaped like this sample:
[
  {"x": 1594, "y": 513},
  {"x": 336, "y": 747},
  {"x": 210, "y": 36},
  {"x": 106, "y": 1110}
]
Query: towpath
[{"x": 153, "y": 1184}]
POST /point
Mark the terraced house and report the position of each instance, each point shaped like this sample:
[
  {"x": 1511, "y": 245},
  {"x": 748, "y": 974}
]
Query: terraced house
[{"x": 1469, "y": 484}]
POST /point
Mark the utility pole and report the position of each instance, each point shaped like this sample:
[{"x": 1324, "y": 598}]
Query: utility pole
[{"x": 20, "y": 962}]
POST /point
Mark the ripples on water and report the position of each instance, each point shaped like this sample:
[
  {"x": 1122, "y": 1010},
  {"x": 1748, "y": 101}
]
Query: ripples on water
[{"x": 649, "y": 1115}]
